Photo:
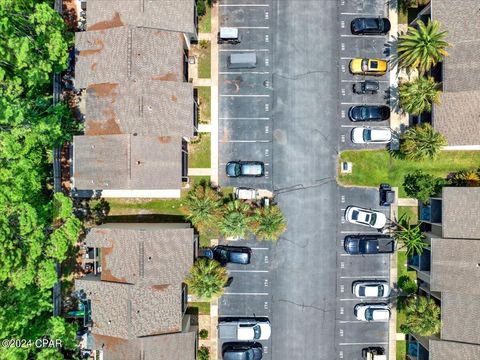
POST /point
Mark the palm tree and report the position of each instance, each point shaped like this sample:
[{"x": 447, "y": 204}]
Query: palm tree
[
  {"x": 207, "y": 279},
  {"x": 421, "y": 142},
  {"x": 411, "y": 236},
  {"x": 204, "y": 206},
  {"x": 236, "y": 221},
  {"x": 268, "y": 223},
  {"x": 417, "y": 96},
  {"x": 423, "y": 47},
  {"x": 466, "y": 178},
  {"x": 422, "y": 317}
]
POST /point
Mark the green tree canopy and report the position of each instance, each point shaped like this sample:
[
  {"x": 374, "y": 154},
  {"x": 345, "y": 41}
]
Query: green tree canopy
[
  {"x": 268, "y": 223},
  {"x": 207, "y": 279},
  {"x": 410, "y": 236},
  {"x": 236, "y": 220},
  {"x": 422, "y": 186},
  {"x": 422, "y": 317},
  {"x": 421, "y": 142},
  {"x": 204, "y": 206},
  {"x": 418, "y": 96}
]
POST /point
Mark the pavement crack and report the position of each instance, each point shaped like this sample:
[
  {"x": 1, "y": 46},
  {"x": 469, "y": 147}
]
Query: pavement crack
[
  {"x": 298, "y": 76},
  {"x": 283, "y": 238},
  {"x": 303, "y": 306},
  {"x": 297, "y": 187}
]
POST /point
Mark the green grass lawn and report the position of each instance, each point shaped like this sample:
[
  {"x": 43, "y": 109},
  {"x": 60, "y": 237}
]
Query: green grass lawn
[
  {"x": 372, "y": 167},
  {"x": 402, "y": 270},
  {"x": 205, "y": 21},
  {"x": 203, "y": 307},
  {"x": 204, "y": 100},
  {"x": 199, "y": 153},
  {"x": 401, "y": 349},
  {"x": 204, "y": 59},
  {"x": 409, "y": 211}
]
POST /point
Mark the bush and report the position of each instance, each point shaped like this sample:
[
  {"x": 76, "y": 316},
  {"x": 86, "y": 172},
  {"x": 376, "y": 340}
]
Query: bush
[
  {"x": 203, "y": 334},
  {"x": 407, "y": 285},
  {"x": 422, "y": 186},
  {"x": 201, "y": 7},
  {"x": 203, "y": 353}
]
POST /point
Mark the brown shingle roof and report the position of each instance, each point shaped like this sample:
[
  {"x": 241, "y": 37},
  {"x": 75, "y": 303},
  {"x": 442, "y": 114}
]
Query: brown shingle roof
[
  {"x": 455, "y": 266},
  {"x": 127, "y": 162},
  {"x": 457, "y": 117},
  {"x": 128, "y": 53},
  {"x": 460, "y": 314},
  {"x": 143, "y": 253},
  {"x": 460, "y": 212},
  {"x": 175, "y": 15},
  {"x": 128, "y": 311},
  {"x": 178, "y": 346},
  {"x": 141, "y": 107},
  {"x": 448, "y": 350}
]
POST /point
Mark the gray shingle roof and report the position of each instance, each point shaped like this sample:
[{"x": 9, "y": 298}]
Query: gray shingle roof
[
  {"x": 128, "y": 53},
  {"x": 460, "y": 212},
  {"x": 141, "y": 107},
  {"x": 127, "y": 162},
  {"x": 175, "y": 15},
  {"x": 448, "y": 350},
  {"x": 457, "y": 115},
  {"x": 455, "y": 266},
  {"x": 143, "y": 253},
  {"x": 129, "y": 311},
  {"x": 178, "y": 346},
  {"x": 460, "y": 314}
]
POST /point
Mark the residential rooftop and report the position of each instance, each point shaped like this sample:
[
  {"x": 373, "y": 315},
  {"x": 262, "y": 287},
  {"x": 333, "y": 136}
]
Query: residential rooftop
[
  {"x": 457, "y": 115},
  {"x": 127, "y": 162},
  {"x": 146, "y": 254},
  {"x": 128, "y": 53},
  {"x": 175, "y": 15},
  {"x": 460, "y": 212},
  {"x": 460, "y": 313},
  {"x": 448, "y": 350},
  {"x": 148, "y": 107}
]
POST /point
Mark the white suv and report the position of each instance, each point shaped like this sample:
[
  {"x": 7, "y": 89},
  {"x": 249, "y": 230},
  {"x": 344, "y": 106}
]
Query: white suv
[
  {"x": 365, "y": 217},
  {"x": 372, "y": 312},
  {"x": 371, "y": 289}
]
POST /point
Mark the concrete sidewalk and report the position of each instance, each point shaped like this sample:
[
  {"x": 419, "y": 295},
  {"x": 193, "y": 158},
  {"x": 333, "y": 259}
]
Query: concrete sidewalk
[
  {"x": 199, "y": 172},
  {"x": 214, "y": 96},
  {"x": 407, "y": 202}
]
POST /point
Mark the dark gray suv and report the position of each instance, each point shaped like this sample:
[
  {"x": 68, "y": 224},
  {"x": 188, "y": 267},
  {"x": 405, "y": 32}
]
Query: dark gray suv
[{"x": 242, "y": 351}]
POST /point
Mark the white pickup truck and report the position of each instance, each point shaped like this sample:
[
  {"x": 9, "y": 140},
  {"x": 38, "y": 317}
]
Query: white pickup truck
[{"x": 244, "y": 329}]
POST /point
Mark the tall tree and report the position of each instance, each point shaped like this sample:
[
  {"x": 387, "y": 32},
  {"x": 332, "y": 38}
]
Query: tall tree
[
  {"x": 204, "y": 206},
  {"x": 422, "y": 47},
  {"x": 207, "y": 279},
  {"x": 268, "y": 223},
  {"x": 422, "y": 186},
  {"x": 422, "y": 317},
  {"x": 418, "y": 96},
  {"x": 236, "y": 221},
  {"x": 422, "y": 142},
  {"x": 410, "y": 236}
]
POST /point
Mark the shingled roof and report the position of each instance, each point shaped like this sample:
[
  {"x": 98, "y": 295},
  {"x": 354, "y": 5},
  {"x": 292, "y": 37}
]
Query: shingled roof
[
  {"x": 143, "y": 253},
  {"x": 142, "y": 107},
  {"x": 448, "y": 350},
  {"x": 460, "y": 212},
  {"x": 128, "y": 53},
  {"x": 175, "y": 15},
  {"x": 129, "y": 311},
  {"x": 460, "y": 314},
  {"x": 178, "y": 346},
  {"x": 127, "y": 162},
  {"x": 457, "y": 115}
]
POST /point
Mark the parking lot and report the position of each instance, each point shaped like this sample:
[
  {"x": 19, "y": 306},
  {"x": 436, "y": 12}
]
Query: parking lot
[
  {"x": 245, "y": 95},
  {"x": 355, "y": 46},
  {"x": 248, "y": 295}
]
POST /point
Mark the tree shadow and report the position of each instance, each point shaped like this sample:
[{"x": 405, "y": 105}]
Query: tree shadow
[{"x": 147, "y": 218}]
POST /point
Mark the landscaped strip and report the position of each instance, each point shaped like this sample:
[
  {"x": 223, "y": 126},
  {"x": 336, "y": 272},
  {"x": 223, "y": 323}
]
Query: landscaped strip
[
  {"x": 199, "y": 152},
  {"x": 373, "y": 167}
]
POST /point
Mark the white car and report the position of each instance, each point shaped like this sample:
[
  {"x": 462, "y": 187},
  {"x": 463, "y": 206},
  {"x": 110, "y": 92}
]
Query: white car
[
  {"x": 372, "y": 312},
  {"x": 371, "y": 289},
  {"x": 254, "y": 332},
  {"x": 369, "y": 135},
  {"x": 365, "y": 217}
]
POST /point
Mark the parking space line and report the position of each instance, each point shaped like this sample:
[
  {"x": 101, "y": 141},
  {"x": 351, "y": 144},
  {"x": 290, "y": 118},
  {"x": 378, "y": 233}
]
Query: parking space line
[
  {"x": 254, "y": 27},
  {"x": 247, "y": 294},
  {"x": 237, "y": 95},
  {"x": 246, "y": 118},
  {"x": 259, "y": 248},
  {"x": 349, "y": 126},
  {"x": 248, "y": 271},
  {"x": 353, "y": 81},
  {"x": 361, "y": 14},
  {"x": 253, "y": 5},
  {"x": 350, "y": 299},
  {"x": 357, "y": 232},
  {"x": 364, "y": 343},
  {"x": 361, "y": 37},
  {"x": 346, "y": 58},
  {"x": 365, "y": 277},
  {"x": 241, "y": 315},
  {"x": 242, "y": 73},
  {"x": 245, "y": 141},
  {"x": 360, "y": 103},
  {"x": 350, "y": 322},
  {"x": 233, "y": 50}
]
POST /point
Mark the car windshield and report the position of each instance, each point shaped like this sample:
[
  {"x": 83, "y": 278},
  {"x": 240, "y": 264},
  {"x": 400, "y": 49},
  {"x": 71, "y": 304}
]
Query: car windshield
[
  {"x": 374, "y": 64},
  {"x": 373, "y": 219},
  {"x": 369, "y": 314},
  {"x": 380, "y": 23},
  {"x": 364, "y": 112},
  {"x": 367, "y": 135},
  {"x": 237, "y": 169},
  {"x": 224, "y": 255},
  {"x": 238, "y": 257},
  {"x": 362, "y": 246},
  {"x": 361, "y": 291},
  {"x": 367, "y": 218},
  {"x": 249, "y": 355},
  {"x": 380, "y": 290},
  {"x": 257, "y": 332},
  {"x": 364, "y": 65},
  {"x": 355, "y": 215}
]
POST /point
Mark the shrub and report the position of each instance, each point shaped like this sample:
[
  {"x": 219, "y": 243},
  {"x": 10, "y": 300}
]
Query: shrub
[
  {"x": 407, "y": 285},
  {"x": 201, "y": 7},
  {"x": 422, "y": 186},
  {"x": 203, "y": 353},
  {"x": 203, "y": 334}
]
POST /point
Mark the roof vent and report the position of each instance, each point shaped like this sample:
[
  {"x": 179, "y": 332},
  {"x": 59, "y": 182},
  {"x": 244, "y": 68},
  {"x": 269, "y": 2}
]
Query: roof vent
[{"x": 139, "y": 162}]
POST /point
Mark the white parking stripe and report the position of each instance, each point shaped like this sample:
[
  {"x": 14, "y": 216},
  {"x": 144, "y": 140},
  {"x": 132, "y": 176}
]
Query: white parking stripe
[
  {"x": 248, "y": 271},
  {"x": 253, "y": 27},
  {"x": 354, "y": 81},
  {"x": 258, "y": 248},
  {"x": 364, "y": 343},
  {"x": 360, "y": 103},
  {"x": 348, "y": 126},
  {"x": 253, "y": 5},
  {"x": 245, "y": 141},
  {"x": 363, "y": 37},
  {"x": 358, "y": 231},
  {"x": 347, "y": 58},
  {"x": 241, "y": 73},
  {"x": 236, "y": 95},
  {"x": 233, "y": 50},
  {"x": 350, "y": 322},
  {"x": 247, "y": 294},
  {"x": 361, "y": 14},
  {"x": 241, "y": 315},
  {"x": 245, "y": 118},
  {"x": 365, "y": 277},
  {"x": 350, "y": 300}
]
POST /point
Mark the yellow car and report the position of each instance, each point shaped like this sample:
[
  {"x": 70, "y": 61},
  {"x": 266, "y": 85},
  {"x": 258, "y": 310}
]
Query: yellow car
[{"x": 368, "y": 66}]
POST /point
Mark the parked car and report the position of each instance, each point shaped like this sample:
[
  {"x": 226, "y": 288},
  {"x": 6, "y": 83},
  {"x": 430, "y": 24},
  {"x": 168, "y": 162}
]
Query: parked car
[
  {"x": 371, "y": 289},
  {"x": 386, "y": 194},
  {"x": 372, "y": 312},
  {"x": 374, "y": 353},
  {"x": 369, "y": 113},
  {"x": 230, "y": 254},
  {"x": 368, "y": 244},
  {"x": 242, "y": 351},
  {"x": 246, "y": 193},
  {"x": 370, "y": 26},
  {"x": 368, "y": 135},
  {"x": 365, "y": 217},
  {"x": 244, "y": 329},
  {"x": 368, "y": 66},
  {"x": 228, "y": 35},
  {"x": 245, "y": 168},
  {"x": 366, "y": 87}
]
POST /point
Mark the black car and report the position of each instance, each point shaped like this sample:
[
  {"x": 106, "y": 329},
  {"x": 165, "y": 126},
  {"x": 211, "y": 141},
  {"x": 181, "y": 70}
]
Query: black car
[
  {"x": 369, "y": 113},
  {"x": 370, "y": 26},
  {"x": 387, "y": 195},
  {"x": 230, "y": 254},
  {"x": 366, "y": 87},
  {"x": 245, "y": 168},
  {"x": 368, "y": 244},
  {"x": 242, "y": 351}
]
